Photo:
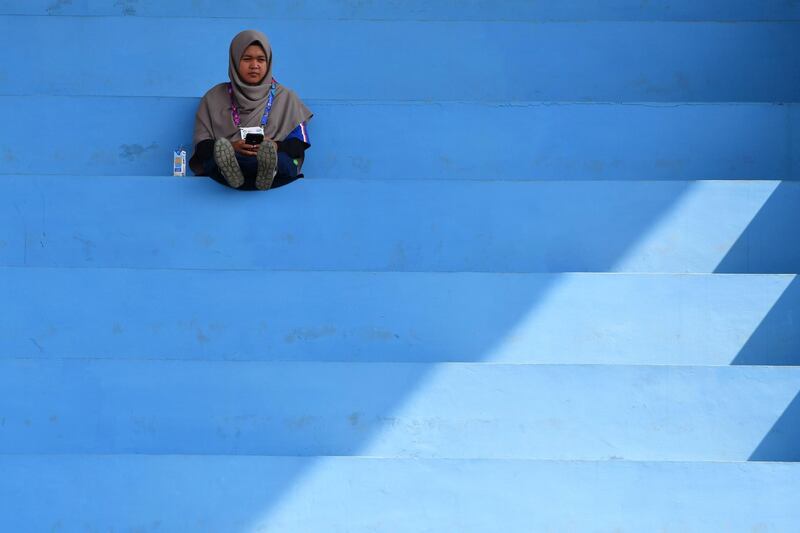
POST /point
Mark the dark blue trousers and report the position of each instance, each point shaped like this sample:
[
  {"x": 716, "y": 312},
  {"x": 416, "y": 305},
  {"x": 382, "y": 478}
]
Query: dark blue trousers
[{"x": 287, "y": 171}]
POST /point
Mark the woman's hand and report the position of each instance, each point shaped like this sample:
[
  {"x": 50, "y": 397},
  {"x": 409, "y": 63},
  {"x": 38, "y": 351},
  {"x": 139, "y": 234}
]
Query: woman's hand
[{"x": 241, "y": 147}]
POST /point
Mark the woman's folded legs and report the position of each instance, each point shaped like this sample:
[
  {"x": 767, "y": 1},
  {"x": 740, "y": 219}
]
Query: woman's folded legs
[{"x": 248, "y": 167}]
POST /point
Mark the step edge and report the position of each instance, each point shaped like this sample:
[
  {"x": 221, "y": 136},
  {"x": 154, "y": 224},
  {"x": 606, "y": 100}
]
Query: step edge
[
  {"x": 407, "y": 459},
  {"x": 371, "y": 364},
  {"x": 413, "y": 273}
]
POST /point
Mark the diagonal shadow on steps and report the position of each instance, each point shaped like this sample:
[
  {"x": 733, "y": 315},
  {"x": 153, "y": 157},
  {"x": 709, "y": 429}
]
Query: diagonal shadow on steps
[
  {"x": 767, "y": 244},
  {"x": 254, "y": 500},
  {"x": 767, "y": 213},
  {"x": 782, "y": 442},
  {"x": 776, "y": 340}
]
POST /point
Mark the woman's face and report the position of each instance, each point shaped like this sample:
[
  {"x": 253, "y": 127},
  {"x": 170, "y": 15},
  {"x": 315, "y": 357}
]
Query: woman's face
[{"x": 253, "y": 65}]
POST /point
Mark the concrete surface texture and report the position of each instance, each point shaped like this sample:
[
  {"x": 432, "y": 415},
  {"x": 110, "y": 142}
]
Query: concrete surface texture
[{"x": 541, "y": 274}]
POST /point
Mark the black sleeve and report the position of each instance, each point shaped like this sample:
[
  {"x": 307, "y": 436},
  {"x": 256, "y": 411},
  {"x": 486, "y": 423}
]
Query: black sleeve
[
  {"x": 294, "y": 147},
  {"x": 202, "y": 152}
]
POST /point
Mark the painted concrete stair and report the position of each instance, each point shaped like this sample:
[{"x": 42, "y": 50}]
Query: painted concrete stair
[
  {"x": 615, "y": 10},
  {"x": 395, "y": 410},
  {"x": 473, "y": 61},
  {"x": 385, "y": 349},
  {"x": 369, "y": 139},
  {"x": 656, "y": 319},
  {"x": 238, "y": 493},
  {"x": 492, "y": 226}
]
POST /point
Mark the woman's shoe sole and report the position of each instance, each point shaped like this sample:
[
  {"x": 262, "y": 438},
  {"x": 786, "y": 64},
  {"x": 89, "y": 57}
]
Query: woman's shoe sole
[
  {"x": 267, "y": 163},
  {"x": 225, "y": 158}
]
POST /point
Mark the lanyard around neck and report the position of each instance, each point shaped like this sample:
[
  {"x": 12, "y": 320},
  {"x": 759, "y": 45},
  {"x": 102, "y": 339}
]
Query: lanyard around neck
[{"x": 235, "y": 109}]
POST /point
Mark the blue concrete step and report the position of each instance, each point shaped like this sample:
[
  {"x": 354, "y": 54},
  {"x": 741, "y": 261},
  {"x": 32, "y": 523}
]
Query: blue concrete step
[
  {"x": 293, "y": 495},
  {"x": 476, "y": 410},
  {"x": 598, "y": 61},
  {"x": 370, "y": 140},
  {"x": 402, "y": 317},
  {"x": 425, "y": 225},
  {"x": 175, "y": 356},
  {"x": 713, "y": 10}
]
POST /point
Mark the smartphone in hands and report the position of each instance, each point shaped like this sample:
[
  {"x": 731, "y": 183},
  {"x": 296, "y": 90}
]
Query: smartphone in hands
[{"x": 254, "y": 138}]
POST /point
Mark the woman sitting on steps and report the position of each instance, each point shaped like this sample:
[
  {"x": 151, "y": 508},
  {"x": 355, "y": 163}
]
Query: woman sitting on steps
[{"x": 250, "y": 133}]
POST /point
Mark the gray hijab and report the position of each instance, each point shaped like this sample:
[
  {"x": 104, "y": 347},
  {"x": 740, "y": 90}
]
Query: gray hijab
[{"x": 214, "y": 119}]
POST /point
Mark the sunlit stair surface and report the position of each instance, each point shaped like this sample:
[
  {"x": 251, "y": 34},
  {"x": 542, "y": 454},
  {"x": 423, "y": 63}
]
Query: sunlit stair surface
[{"x": 541, "y": 275}]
